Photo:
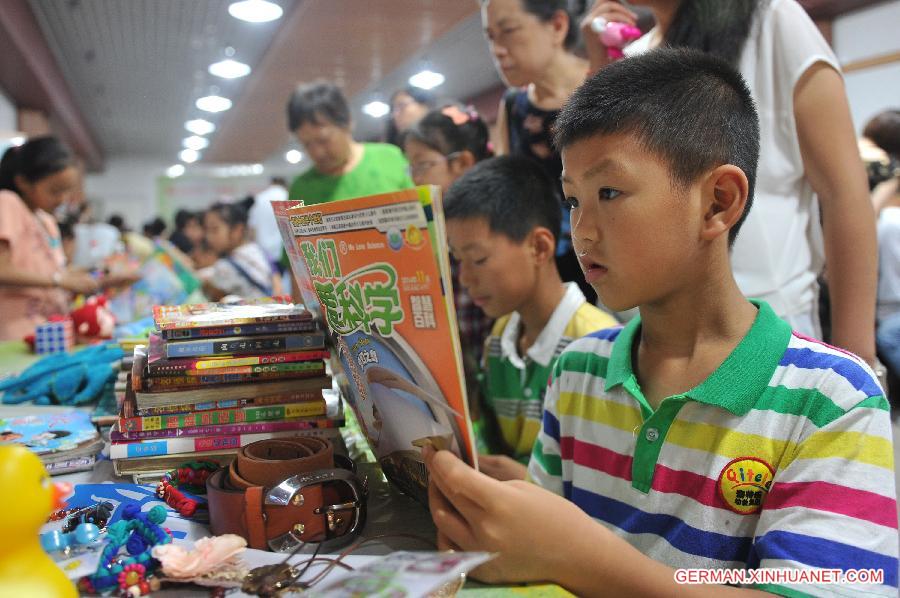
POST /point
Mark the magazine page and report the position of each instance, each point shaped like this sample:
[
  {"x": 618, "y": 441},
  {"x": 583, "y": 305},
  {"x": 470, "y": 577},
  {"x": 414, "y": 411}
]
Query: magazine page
[
  {"x": 376, "y": 269},
  {"x": 49, "y": 432}
]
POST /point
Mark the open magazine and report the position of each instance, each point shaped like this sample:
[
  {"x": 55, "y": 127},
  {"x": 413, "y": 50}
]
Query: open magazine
[{"x": 377, "y": 270}]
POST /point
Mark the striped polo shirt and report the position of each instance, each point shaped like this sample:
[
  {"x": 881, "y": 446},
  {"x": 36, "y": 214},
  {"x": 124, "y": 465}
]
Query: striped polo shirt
[
  {"x": 782, "y": 458},
  {"x": 514, "y": 386}
]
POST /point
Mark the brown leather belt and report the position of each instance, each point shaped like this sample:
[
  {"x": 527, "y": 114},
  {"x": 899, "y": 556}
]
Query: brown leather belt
[{"x": 283, "y": 492}]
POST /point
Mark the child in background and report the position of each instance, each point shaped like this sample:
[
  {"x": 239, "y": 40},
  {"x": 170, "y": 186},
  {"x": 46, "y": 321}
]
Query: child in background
[
  {"x": 884, "y": 131},
  {"x": 440, "y": 148},
  {"x": 503, "y": 221},
  {"x": 651, "y": 431},
  {"x": 242, "y": 269},
  {"x": 35, "y": 178}
]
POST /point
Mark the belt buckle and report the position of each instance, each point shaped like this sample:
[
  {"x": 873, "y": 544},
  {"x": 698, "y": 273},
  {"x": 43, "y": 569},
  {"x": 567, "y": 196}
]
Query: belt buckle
[{"x": 283, "y": 494}]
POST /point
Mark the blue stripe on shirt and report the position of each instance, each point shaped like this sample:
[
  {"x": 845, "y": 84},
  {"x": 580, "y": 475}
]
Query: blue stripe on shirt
[
  {"x": 676, "y": 532},
  {"x": 854, "y": 373},
  {"x": 607, "y": 334},
  {"x": 820, "y": 553},
  {"x": 551, "y": 425}
]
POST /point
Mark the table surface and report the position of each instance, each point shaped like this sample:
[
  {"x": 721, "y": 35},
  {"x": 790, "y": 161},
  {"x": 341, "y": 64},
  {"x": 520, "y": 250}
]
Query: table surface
[
  {"x": 389, "y": 510},
  {"x": 15, "y": 357}
]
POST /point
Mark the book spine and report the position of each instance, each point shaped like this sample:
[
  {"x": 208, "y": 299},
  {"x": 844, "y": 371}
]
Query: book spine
[
  {"x": 171, "y": 446},
  {"x": 178, "y": 366},
  {"x": 163, "y": 367},
  {"x": 313, "y": 395},
  {"x": 269, "y": 344},
  {"x": 239, "y": 330},
  {"x": 173, "y": 383},
  {"x": 223, "y": 416},
  {"x": 269, "y": 358},
  {"x": 300, "y": 366},
  {"x": 224, "y": 430}
]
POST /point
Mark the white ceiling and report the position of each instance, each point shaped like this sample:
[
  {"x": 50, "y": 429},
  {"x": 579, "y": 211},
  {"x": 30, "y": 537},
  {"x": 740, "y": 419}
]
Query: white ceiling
[{"x": 135, "y": 67}]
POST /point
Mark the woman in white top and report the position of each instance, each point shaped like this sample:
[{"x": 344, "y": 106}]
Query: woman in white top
[{"x": 808, "y": 150}]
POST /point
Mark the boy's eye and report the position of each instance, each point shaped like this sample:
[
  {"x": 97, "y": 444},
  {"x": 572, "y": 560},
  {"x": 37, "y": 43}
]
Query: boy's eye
[
  {"x": 479, "y": 262},
  {"x": 607, "y": 193},
  {"x": 570, "y": 203}
]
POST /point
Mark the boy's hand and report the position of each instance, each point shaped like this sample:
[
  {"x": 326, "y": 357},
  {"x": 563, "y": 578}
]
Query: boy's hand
[
  {"x": 611, "y": 11},
  {"x": 525, "y": 524},
  {"x": 501, "y": 467}
]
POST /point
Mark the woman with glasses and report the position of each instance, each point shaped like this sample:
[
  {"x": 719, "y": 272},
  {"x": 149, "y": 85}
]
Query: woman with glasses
[
  {"x": 408, "y": 105},
  {"x": 532, "y": 43}
]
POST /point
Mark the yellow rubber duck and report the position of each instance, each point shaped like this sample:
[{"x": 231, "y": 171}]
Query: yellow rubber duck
[{"x": 27, "y": 497}]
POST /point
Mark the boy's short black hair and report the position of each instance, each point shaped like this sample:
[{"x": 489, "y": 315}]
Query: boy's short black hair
[
  {"x": 690, "y": 108},
  {"x": 513, "y": 193},
  {"x": 318, "y": 103}
]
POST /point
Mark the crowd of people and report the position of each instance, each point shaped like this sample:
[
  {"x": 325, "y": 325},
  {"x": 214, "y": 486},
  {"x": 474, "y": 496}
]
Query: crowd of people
[{"x": 607, "y": 238}]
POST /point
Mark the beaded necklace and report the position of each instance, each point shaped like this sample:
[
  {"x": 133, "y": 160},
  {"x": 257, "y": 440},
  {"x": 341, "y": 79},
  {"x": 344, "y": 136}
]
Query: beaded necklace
[{"x": 138, "y": 532}]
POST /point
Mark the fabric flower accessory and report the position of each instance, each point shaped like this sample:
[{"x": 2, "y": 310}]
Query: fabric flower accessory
[
  {"x": 213, "y": 560},
  {"x": 458, "y": 116}
]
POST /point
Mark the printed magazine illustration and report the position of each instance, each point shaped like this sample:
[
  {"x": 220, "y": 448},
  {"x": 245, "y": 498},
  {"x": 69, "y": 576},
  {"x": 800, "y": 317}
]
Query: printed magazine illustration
[{"x": 377, "y": 270}]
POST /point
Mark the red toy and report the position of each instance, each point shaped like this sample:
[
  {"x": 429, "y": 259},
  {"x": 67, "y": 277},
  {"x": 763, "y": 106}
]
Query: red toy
[
  {"x": 615, "y": 36},
  {"x": 93, "y": 319}
]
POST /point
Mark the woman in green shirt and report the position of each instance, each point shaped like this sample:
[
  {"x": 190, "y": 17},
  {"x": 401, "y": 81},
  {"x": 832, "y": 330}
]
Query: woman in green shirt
[{"x": 318, "y": 114}]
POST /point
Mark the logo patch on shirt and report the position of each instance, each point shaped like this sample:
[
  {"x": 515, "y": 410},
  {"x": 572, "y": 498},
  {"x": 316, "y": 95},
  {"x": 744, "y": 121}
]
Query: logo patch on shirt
[{"x": 744, "y": 483}]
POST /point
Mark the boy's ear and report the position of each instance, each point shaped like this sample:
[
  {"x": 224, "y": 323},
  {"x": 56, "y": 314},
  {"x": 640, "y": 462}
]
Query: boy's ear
[
  {"x": 543, "y": 244},
  {"x": 724, "y": 199},
  {"x": 463, "y": 162}
]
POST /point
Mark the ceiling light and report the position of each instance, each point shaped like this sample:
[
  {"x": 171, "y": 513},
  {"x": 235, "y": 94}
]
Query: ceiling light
[
  {"x": 213, "y": 103},
  {"x": 255, "y": 11},
  {"x": 229, "y": 69},
  {"x": 198, "y": 126},
  {"x": 188, "y": 155},
  {"x": 195, "y": 142},
  {"x": 257, "y": 169},
  {"x": 174, "y": 171},
  {"x": 376, "y": 109},
  {"x": 426, "y": 79},
  {"x": 293, "y": 156}
]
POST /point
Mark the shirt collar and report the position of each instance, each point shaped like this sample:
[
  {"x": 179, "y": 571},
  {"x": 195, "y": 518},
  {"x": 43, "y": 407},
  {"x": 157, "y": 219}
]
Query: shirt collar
[
  {"x": 544, "y": 347},
  {"x": 738, "y": 382}
]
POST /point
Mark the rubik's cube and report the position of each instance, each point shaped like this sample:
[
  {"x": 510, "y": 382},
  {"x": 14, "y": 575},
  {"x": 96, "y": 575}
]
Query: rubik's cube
[{"x": 54, "y": 337}]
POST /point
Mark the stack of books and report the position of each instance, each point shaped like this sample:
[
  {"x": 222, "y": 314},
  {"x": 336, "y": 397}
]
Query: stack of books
[{"x": 217, "y": 377}]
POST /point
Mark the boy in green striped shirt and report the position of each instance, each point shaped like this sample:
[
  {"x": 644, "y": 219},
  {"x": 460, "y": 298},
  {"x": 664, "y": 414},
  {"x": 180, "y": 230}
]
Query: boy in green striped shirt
[{"x": 503, "y": 220}]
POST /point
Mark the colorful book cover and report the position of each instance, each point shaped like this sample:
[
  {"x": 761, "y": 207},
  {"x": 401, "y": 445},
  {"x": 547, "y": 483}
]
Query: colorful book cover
[
  {"x": 227, "y": 392},
  {"x": 205, "y": 315},
  {"x": 223, "y": 416},
  {"x": 377, "y": 269},
  {"x": 157, "y": 364},
  {"x": 244, "y": 345},
  {"x": 209, "y": 378},
  {"x": 49, "y": 434},
  {"x": 227, "y": 429},
  {"x": 200, "y": 444}
]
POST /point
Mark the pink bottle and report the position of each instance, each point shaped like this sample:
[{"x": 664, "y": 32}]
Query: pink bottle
[{"x": 615, "y": 36}]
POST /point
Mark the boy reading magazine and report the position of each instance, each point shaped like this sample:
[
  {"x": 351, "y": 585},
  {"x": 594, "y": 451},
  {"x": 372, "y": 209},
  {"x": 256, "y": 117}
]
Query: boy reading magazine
[{"x": 705, "y": 433}]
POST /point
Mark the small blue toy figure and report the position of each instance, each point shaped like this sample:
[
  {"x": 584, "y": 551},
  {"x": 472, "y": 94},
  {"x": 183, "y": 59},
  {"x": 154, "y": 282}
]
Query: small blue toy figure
[{"x": 64, "y": 378}]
